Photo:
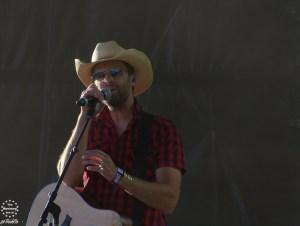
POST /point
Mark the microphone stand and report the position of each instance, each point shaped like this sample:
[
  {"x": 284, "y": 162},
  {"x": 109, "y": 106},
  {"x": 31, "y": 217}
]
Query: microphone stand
[{"x": 51, "y": 207}]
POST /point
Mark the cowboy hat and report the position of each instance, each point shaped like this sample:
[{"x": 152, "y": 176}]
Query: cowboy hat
[{"x": 111, "y": 50}]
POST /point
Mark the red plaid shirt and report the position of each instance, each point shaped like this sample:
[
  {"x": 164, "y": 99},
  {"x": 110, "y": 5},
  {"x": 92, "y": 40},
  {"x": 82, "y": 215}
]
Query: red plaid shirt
[{"x": 166, "y": 150}]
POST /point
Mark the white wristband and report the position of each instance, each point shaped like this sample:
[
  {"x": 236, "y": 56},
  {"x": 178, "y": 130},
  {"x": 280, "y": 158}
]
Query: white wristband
[{"x": 119, "y": 176}]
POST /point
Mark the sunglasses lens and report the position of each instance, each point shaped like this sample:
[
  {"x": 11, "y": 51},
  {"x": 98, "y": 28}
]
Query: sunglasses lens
[
  {"x": 114, "y": 72},
  {"x": 99, "y": 75}
]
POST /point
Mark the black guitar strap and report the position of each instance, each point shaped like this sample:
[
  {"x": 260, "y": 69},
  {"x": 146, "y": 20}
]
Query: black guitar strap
[{"x": 140, "y": 163}]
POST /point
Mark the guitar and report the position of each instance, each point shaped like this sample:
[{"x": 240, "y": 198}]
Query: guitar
[{"x": 74, "y": 210}]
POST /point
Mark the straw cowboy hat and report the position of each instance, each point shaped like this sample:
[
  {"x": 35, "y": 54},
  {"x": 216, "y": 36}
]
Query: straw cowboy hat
[{"x": 111, "y": 50}]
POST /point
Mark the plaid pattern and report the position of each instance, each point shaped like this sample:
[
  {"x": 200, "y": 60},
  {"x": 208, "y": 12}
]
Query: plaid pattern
[{"x": 166, "y": 150}]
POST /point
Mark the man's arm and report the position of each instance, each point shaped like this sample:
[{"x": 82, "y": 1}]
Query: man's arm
[
  {"x": 162, "y": 194},
  {"x": 73, "y": 176}
]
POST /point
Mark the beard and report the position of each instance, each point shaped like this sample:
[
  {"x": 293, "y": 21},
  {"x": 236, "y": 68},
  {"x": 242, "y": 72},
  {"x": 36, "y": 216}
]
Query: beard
[{"x": 119, "y": 96}]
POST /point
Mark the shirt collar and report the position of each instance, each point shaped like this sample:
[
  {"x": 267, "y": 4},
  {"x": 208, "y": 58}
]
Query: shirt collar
[{"x": 105, "y": 117}]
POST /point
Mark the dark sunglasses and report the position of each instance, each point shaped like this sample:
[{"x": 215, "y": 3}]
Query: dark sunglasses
[{"x": 113, "y": 72}]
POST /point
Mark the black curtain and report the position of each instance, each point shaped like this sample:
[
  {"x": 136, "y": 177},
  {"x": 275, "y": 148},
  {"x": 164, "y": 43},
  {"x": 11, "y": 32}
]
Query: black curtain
[{"x": 226, "y": 72}]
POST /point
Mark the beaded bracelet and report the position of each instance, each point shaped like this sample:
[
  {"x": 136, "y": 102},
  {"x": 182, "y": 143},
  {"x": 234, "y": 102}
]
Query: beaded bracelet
[{"x": 130, "y": 178}]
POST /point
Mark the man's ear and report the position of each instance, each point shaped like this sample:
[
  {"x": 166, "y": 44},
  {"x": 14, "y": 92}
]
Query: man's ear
[
  {"x": 133, "y": 79},
  {"x": 133, "y": 83}
]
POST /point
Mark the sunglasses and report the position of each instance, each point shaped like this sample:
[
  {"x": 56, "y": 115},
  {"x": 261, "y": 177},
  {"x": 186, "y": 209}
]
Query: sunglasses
[{"x": 113, "y": 72}]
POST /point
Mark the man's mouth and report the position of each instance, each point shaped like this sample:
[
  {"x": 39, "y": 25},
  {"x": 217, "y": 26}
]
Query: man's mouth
[{"x": 108, "y": 87}]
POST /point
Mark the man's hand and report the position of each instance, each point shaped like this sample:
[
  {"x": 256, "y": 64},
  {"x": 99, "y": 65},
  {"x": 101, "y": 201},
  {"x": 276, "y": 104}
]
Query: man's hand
[
  {"x": 91, "y": 91},
  {"x": 98, "y": 161}
]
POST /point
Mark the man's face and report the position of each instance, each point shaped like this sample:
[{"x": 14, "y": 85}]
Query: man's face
[{"x": 113, "y": 75}]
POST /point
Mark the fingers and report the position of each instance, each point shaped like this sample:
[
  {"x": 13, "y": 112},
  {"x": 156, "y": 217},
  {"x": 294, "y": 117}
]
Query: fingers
[
  {"x": 92, "y": 162},
  {"x": 92, "y": 91},
  {"x": 99, "y": 161},
  {"x": 95, "y": 154},
  {"x": 97, "y": 169}
]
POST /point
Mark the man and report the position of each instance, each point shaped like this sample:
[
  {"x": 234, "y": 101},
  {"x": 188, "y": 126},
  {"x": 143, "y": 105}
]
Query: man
[{"x": 128, "y": 161}]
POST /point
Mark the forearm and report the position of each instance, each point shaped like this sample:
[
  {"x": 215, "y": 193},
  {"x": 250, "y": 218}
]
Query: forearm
[
  {"x": 162, "y": 196},
  {"x": 73, "y": 175}
]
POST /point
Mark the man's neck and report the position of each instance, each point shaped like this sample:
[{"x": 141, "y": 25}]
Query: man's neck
[{"x": 122, "y": 115}]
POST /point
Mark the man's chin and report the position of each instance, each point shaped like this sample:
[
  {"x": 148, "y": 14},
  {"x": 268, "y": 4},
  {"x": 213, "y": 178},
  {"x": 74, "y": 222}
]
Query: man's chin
[{"x": 114, "y": 102}]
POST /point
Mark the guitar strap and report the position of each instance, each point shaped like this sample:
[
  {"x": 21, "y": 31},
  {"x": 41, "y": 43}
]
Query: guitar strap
[{"x": 140, "y": 162}]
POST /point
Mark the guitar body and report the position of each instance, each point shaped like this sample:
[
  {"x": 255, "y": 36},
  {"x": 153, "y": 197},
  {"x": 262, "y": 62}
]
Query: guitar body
[{"x": 73, "y": 209}]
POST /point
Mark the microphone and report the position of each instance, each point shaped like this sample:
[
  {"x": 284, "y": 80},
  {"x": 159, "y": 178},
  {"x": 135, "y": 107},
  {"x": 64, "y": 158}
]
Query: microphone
[{"x": 90, "y": 101}]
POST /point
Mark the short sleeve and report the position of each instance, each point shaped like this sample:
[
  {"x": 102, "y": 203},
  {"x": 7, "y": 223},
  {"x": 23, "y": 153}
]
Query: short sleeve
[{"x": 169, "y": 146}]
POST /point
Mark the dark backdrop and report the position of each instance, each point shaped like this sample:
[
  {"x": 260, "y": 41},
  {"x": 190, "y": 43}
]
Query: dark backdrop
[{"x": 226, "y": 72}]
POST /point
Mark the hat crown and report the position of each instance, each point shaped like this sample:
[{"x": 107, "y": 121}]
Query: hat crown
[{"x": 105, "y": 50}]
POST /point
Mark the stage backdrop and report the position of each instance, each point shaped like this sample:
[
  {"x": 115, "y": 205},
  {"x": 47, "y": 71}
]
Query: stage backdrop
[{"x": 226, "y": 72}]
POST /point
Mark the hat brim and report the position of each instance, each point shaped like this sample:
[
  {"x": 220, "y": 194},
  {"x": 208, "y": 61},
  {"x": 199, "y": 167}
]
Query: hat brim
[{"x": 138, "y": 60}]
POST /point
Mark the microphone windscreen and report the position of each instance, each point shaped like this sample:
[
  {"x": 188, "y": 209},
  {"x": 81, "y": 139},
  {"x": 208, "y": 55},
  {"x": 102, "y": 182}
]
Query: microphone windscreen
[{"x": 106, "y": 92}]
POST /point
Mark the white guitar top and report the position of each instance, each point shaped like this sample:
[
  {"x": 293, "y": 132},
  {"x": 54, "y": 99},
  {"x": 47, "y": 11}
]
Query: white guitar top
[{"x": 73, "y": 210}]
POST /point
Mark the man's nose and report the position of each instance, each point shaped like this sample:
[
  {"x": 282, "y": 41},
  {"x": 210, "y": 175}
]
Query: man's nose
[{"x": 107, "y": 77}]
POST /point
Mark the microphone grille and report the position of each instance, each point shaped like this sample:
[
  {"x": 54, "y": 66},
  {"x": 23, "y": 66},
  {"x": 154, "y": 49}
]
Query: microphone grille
[{"x": 106, "y": 92}]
